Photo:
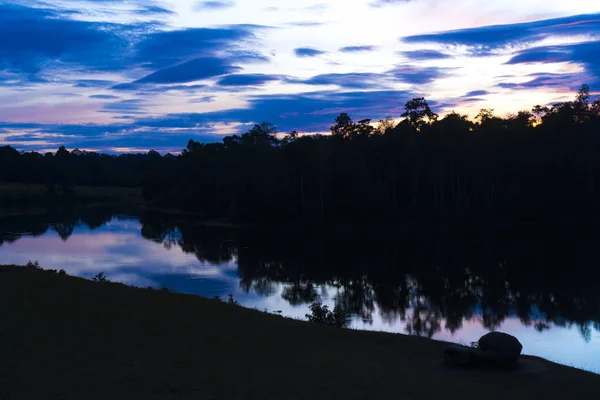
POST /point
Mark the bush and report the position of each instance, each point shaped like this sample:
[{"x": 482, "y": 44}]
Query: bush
[
  {"x": 321, "y": 314},
  {"x": 33, "y": 265},
  {"x": 100, "y": 278},
  {"x": 232, "y": 301}
]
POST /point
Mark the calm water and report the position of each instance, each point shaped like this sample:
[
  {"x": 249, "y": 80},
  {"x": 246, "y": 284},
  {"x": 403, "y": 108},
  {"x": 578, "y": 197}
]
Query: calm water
[{"x": 541, "y": 289}]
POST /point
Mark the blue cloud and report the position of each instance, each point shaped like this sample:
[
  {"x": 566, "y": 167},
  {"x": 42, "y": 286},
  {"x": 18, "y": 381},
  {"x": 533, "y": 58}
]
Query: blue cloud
[
  {"x": 475, "y": 93},
  {"x": 142, "y": 8},
  {"x": 357, "y": 49},
  {"x": 350, "y": 80},
  {"x": 424, "y": 55},
  {"x": 156, "y": 50},
  {"x": 247, "y": 80},
  {"x": 205, "y": 99},
  {"x": 418, "y": 75},
  {"x": 142, "y": 89},
  {"x": 32, "y": 37},
  {"x": 193, "y": 70},
  {"x": 19, "y": 80},
  {"x": 586, "y": 54},
  {"x": 549, "y": 54},
  {"x": 150, "y": 10},
  {"x": 103, "y": 96},
  {"x": 308, "y": 52},
  {"x": 305, "y": 24},
  {"x": 308, "y": 112},
  {"x": 131, "y": 106},
  {"x": 488, "y": 38},
  {"x": 549, "y": 80},
  {"x": 106, "y": 137},
  {"x": 93, "y": 83},
  {"x": 213, "y": 5},
  {"x": 247, "y": 57}
]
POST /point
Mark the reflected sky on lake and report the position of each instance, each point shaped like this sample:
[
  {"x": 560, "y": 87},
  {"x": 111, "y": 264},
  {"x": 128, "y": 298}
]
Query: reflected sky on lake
[{"x": 118, "y": 249}]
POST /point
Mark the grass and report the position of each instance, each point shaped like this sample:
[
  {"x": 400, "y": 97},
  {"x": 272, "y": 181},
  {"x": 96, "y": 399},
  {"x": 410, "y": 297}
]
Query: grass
[{"x": 68, "y": 338}]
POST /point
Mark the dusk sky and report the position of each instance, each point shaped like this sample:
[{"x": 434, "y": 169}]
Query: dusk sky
[{"x": 135, "y": 75}]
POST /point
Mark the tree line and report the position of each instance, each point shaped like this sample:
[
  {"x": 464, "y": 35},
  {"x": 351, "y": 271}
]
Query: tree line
[{"x": 529, "y": 167}]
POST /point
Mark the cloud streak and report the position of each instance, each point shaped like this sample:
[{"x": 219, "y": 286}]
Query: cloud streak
[
  {"x": 489, "y": 38},
  {"x": 213, "y": 5},
  {"x": 307, "y": 52}
]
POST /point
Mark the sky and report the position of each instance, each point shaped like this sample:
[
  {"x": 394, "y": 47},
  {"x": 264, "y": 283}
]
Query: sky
[{"x": 135, "y": 75}]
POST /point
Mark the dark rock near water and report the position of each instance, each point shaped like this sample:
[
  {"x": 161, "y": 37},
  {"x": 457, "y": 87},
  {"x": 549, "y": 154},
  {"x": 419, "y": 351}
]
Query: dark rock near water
[
  {"x": 495, "y": 348},
  {"x": 500, "y": 348}
]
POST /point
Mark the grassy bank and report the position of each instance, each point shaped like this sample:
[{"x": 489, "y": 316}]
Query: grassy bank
[{"x": 68, "y": 338}]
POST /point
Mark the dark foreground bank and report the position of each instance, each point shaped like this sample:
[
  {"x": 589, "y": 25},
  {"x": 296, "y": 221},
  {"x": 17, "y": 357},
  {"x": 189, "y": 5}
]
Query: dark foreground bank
[{"x": 68, "y": 338}]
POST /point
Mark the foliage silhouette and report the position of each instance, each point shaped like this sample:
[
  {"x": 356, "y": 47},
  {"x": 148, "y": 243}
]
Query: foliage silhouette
[
  {"x": 321, "y": 314},
  {"x": 100, "y": 277},
  {"x": 529, "y": 167}
]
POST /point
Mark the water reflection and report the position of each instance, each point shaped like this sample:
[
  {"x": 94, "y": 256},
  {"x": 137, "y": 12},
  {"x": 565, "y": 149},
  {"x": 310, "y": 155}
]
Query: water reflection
[{"x": 441, "y": 287}]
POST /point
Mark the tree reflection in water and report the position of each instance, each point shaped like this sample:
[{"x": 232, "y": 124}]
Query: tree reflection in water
[{"x": 431, "y": 283}]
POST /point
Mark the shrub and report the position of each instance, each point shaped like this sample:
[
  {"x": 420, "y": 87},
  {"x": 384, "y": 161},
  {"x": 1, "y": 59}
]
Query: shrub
[
  {"x": 33, "y": 265},
  {"x": 321, "y": 314},
  {"x": 232, "y": 301},
  {"x": 100, "y": 278}
]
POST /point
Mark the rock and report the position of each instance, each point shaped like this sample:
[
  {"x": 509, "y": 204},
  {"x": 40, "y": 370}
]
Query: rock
[{"x": 499, "y": 348}]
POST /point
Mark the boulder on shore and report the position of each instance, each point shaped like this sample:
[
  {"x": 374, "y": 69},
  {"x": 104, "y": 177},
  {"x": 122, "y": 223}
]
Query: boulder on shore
[
  {"x": 500, "y": 348},
  {"x": 495, "y": 348}
]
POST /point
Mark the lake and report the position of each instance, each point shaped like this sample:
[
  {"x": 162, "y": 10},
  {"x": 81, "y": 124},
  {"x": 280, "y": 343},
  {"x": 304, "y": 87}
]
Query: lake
[{"x": 540, "y": 287}]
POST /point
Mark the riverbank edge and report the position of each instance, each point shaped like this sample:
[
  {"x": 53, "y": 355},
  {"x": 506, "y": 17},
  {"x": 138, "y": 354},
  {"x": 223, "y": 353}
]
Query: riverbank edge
[
  {"x": 33, "y": 200},
  {"x": 61, "y": 335}
]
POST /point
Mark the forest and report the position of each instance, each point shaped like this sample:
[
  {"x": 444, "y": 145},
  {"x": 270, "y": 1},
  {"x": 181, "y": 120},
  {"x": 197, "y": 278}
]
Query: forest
[{"x": 539, "y": 166}]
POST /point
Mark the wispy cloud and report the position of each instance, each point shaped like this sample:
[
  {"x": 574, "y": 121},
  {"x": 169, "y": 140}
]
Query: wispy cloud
[
  {"x": 247, "y": 80},
  {"x": 500, "y": 36},
  {"x": 357, "y": 49},
  {"x": 193, "y": 70},
  {"x": 424, "y": 55},
  {"x": 384, "y": 3},
  {"x": 308, "y": 52},
  {"x": 213, "y": 5}
]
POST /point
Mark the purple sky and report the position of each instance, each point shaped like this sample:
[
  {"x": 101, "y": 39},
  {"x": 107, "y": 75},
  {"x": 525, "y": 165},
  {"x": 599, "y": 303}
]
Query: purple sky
[{"x": 138, "y": 75}]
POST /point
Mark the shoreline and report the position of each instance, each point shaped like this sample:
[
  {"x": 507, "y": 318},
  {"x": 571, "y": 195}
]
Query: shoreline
[
  {"x": 22, "y": 200},
  {"x": 67, "y": 337}
]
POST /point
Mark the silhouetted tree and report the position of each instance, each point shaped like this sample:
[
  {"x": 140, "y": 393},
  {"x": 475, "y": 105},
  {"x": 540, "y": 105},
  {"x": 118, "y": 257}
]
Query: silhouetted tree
[
  {"x": 418, "y": 113},
  {"x": 536, "y": 167}
]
